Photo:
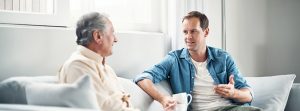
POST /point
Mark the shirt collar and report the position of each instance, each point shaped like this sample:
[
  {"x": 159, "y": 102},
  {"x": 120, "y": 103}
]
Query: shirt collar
[
  {"x": 209, "y": 54},
  {"x": 186, "y": 55},
  {"x": 89, "y": 54}
]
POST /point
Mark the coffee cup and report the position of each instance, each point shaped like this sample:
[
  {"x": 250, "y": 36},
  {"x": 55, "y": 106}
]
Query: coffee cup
[
  {"x": 181, "y": 107},
  {"x": 182, "y": 101},
  {"x": 182, "y": 98}
]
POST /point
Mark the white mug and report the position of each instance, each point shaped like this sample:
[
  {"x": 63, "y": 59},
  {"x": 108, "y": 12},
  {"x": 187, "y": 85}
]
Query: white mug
[
  {"x": 182, "y": 101},
  {"x": 182, "y": 98},
  {"x": 181, "y": 107}
]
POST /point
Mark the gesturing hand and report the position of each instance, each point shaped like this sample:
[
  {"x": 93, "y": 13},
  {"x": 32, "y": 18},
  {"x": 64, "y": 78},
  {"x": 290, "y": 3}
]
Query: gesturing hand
[{"x": 226, "y": 90}]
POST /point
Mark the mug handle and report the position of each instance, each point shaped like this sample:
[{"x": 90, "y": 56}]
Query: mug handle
[{"x": 190, "y": 97}]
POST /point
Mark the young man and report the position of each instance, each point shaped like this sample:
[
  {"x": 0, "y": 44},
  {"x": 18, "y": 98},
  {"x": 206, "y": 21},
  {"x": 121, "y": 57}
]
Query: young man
[{"x": 209, "y": 74}]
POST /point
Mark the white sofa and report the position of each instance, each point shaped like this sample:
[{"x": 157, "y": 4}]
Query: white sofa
[
  {"x": 272, "y": 93},
  {"x": 13, "y": 96}
]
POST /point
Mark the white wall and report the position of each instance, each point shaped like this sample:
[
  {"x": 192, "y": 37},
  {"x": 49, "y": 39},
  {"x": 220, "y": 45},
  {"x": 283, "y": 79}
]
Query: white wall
[
  {"x": 135, "y": 52},
  {"x": 213, "y": 10},
  {"x": 34, "y": 51},
  {"x": 263, "y": 36},
  {"x": 30, "y": 51}
]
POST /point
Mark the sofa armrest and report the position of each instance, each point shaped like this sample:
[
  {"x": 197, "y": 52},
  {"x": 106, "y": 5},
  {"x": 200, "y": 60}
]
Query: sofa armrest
[
  {"x": 294, "y": 98},
  {"x": 138, "y": 97},
  {"x": 141, "y": 99}
]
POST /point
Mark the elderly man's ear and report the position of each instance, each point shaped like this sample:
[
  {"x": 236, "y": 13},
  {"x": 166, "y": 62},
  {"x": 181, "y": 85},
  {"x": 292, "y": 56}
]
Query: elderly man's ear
[{"x": 97, "y": 37}]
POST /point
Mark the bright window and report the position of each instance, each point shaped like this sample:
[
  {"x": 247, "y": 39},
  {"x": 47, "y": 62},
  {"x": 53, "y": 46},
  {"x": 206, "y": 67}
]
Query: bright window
[
  {"x": 126, "y": 15},
  {"x": 139, "y": 15},
  {"x": 35, "y": 12}
]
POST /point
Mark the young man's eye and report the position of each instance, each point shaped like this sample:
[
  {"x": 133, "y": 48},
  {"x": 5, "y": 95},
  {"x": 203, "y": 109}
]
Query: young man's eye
[
  {"x": 194, "y": 31},
  {"x": 185, "y": 32}
]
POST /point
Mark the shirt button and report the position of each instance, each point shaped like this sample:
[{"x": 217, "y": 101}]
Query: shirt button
[
  {"x": 192, "y": 77},
  {"x": 168, "y": 76}
]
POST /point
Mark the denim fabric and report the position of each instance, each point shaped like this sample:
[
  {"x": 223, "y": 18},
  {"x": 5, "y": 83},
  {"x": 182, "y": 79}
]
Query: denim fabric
[{"x": 178, "y": 69}]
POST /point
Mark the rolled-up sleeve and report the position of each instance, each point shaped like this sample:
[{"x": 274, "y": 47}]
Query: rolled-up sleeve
[
  {"x": 142, "y": 77},
  {"x": 157, "y": 72},
  {"x": 240, "y": 81}
]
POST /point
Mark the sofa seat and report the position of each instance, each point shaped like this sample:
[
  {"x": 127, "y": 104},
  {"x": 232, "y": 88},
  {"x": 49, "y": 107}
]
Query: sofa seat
[
  {"x": 274, "y": 99},
  {"x": 11, "y": 96},
  {"x": 24, "y": 107}
]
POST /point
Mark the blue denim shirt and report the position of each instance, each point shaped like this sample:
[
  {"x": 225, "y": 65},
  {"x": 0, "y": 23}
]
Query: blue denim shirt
[{"x": 178, "y": 69}]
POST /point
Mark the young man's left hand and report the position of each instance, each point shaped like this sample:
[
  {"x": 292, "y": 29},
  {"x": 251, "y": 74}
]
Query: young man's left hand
[{"x": 226, "y": 90}]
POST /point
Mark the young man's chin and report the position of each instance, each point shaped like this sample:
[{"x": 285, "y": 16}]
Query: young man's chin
[{"x": 189, "y": 47}]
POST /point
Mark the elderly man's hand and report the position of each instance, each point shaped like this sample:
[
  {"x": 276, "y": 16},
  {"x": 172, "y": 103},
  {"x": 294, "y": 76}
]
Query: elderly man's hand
[
  {"x": 168, "y": 103},
  {"x": 226, "y": 90}
]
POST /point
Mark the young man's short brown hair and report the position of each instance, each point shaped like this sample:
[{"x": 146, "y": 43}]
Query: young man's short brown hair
[{"x": 202, "y": 18}]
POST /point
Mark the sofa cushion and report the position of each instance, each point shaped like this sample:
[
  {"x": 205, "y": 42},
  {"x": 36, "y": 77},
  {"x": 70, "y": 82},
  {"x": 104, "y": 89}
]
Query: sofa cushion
[
  {"x": 271, "y": 92},
  {"x": 79, "y": 94},
  {"x": 294, "y": 98},
  {"x": 12, "y": 90}
]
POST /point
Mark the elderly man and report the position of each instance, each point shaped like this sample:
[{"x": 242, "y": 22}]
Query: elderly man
[
  {"x": 95, "y": 39},
  {"x": 208, "y": 73}
]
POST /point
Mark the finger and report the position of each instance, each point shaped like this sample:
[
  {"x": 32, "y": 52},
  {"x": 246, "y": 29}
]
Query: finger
[
  {"x": 224, "y": 92},
  {"x": 223, "y": 86},
  {"x": 231, "y": 79},
  {"x": 170, "y": 107},
  {"x": 218, "y": 91},
  {"x": 171, "y": 100},
  {"x": 170, "y": 103},
  {"x": 167, "y": 109},
  {"x": 221, "y": 93}
]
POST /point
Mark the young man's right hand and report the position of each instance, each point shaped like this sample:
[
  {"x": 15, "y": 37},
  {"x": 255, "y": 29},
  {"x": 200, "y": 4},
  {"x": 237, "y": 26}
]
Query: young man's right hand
[{"x": 168, "y": 103}]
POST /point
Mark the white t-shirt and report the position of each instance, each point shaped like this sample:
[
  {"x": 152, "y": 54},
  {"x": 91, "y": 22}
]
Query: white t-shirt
[{"x": 204, "y": 96}]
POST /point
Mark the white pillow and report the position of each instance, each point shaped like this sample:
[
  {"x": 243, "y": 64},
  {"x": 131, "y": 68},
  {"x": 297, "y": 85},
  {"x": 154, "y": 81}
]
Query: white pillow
[
  {"x": 12, "y": 90},
  {"x": 80, "y": 94},
  {"x": 271, "y": 92}
]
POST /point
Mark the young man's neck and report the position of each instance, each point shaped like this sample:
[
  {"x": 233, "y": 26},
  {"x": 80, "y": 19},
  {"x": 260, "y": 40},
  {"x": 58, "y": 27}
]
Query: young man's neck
[{"x": 199, "y": 55}]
